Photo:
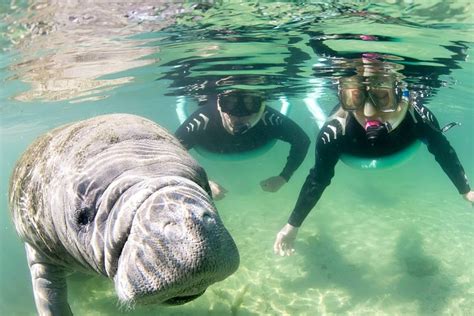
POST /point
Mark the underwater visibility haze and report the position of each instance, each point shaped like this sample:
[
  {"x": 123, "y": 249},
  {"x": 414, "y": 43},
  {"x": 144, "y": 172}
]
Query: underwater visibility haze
[{"x": 394, "y": 241}]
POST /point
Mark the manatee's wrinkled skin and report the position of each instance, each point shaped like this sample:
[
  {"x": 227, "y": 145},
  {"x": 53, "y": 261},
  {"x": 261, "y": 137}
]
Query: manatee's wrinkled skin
[{"x": 118, "y": 196}]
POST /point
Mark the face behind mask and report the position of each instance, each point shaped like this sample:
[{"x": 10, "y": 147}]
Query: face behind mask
[
  {"x": 240, "y": 110},
  {"x": 238, "y": 125},
  {"x": 377, "y": 106}
]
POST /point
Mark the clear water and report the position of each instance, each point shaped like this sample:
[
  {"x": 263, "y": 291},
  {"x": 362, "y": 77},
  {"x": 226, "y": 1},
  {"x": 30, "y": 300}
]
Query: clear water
[{"x": 387, "y": 242}]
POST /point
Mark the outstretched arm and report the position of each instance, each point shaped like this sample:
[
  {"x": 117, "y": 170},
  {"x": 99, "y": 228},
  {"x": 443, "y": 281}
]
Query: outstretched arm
[
  {"x": 49, "y": 285},
  {"x": 292, "y": 133},
  {"x": 285, "y": 129},
  {"x": 444, "y": 153},
  {"x": 327, "y": 156}
]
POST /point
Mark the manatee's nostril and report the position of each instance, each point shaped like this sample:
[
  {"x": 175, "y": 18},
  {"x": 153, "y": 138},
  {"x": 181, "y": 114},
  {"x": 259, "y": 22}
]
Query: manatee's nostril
[
  {"x": 207, "y": 219},
  {"x": 202, "y": 218}
]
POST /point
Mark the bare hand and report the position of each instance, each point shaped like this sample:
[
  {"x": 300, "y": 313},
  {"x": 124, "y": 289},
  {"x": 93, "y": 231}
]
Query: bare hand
[
  {"x": 273, "y": 184},
  {"x": 218, "y": 191},
  {"x": 285, "y": 239},
  {"x": 469, "y": 196}
]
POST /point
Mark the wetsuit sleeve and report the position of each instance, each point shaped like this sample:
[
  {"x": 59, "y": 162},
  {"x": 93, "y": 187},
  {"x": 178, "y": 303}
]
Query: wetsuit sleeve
[
  {"x": 327, "y": 155},
  {"x": 292, "y": 133},
  {"x": 440, "y": 147},
  {"x": 189, "y": 132}
]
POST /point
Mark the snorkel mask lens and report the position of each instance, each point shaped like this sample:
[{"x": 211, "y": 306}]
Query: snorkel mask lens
[
  {"x": 354, "y": 95},
  {"x": 237, "y": 104},
  {"x": 383, "y": 97}
]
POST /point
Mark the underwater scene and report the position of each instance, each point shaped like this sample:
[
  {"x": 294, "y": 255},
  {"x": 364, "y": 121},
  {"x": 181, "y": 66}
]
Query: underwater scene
[{"x": 259, "y": 92}]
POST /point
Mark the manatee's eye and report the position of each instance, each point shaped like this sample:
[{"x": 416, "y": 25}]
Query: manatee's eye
[{"x": 84, "y": 216}]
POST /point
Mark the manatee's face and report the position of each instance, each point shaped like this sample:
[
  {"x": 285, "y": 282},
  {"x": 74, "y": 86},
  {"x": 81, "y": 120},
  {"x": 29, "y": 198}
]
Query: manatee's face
[{"x": 177, "y": 247}]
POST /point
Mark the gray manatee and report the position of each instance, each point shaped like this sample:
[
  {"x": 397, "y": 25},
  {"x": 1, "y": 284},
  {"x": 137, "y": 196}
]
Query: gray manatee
[{"x": 117, "y": 195}]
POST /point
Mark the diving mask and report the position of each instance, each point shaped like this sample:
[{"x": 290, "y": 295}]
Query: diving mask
[
  {"x": 238, "y": 103},
  {"x": 354, "y": 94},
  {"x": 240, "y": 110}
]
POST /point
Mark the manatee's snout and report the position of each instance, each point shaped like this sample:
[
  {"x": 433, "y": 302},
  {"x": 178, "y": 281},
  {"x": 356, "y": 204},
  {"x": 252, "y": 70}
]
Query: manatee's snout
[{"x": 177, "y": 247}]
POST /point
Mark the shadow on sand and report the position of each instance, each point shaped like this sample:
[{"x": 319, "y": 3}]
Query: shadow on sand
[{"x": 419, "y": 277}]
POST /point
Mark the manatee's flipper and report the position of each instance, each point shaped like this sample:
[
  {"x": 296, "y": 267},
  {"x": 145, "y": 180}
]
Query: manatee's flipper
[{"x": 49, "y": 284}]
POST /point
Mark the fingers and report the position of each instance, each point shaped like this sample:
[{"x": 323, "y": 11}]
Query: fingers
[
  {"x": 469, "y": 196},
  {"x": 278, "y": 247},
  {"x": 218, "y": 191},
  {"x": 268, "y": 186},
  {"x": 219, "y": 196},
  {"x": 282, "y": 248},
  {"x": 288, "y": 251}
]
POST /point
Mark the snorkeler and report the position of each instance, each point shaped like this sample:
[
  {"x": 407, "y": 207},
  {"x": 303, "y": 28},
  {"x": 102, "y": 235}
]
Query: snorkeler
[
  {"x": 239, "y": 121},
  {"x": 375, "y": 117}
]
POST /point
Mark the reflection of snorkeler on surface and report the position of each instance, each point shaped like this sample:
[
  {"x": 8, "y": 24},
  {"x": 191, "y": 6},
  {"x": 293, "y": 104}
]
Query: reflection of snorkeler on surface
[
  {"x": 375, "y": 118},
  {"x": 238, "y": 121}
]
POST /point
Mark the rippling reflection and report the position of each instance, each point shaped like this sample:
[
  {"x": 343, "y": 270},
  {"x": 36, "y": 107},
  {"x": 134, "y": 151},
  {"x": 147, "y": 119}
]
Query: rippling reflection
[
  {"x": 66, "y": 47},
  {"x": 283, "y": 49}
]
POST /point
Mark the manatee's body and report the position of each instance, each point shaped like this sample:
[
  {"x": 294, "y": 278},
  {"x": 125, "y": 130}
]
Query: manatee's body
[{"x": 118, "y": 196}]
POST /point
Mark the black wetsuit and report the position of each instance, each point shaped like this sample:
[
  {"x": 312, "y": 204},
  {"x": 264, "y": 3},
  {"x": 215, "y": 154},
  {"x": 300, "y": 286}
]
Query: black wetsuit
[
  {"x": 204, "y": 129},
  {"x": 333, "y": 140}
]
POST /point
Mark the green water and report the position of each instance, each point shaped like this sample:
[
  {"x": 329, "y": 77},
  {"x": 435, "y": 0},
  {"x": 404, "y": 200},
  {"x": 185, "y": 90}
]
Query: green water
[{"x": 384, "y": 242}]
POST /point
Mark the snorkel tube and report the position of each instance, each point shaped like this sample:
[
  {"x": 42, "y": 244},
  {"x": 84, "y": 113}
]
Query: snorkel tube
[{"x": 376, "y": 131}]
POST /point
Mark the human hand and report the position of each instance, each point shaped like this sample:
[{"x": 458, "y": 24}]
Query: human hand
[
  {"x": 285, "y": 239},
  {"x": 218, "y": 191},
  {"x": 469, "y": 196},
  {"x": 272, "y": 184}
]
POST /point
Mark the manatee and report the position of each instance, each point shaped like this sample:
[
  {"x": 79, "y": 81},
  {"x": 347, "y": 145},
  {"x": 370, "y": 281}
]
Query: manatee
[{"x": 117, "y": 196}]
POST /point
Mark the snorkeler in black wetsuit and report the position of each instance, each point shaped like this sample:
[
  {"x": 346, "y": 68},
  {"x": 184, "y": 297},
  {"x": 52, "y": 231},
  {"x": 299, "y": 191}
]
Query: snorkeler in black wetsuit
[
  {"x": 373, "y": 120},
  {"x": 241, "y": 122}
]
